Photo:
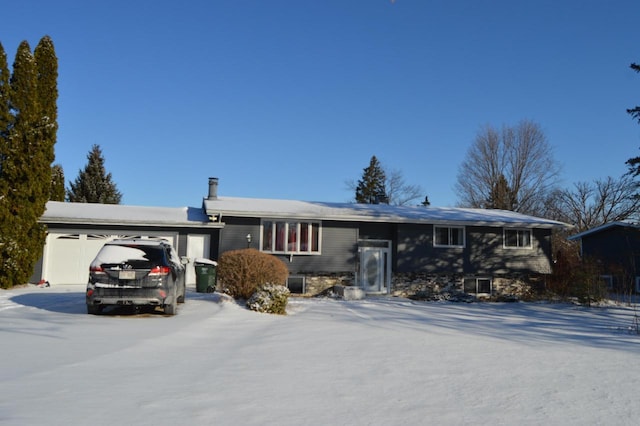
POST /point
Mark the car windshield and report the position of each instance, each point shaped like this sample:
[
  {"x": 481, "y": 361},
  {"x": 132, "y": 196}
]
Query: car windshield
[{"x": 138, "y": 256}]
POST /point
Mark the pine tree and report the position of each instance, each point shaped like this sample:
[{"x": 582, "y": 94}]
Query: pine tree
[
  {"x": 634, "y": 163},
  {"x": 57, "y": 183},
  {"x": 371, "y": 188},
  {"x": 47, "y": 68},
  {"x": 26, "y": 171},
  {"x": 6, "y": 119},
  {"x": 501, "y": 196},
  {"x": 93, "y": 184}
]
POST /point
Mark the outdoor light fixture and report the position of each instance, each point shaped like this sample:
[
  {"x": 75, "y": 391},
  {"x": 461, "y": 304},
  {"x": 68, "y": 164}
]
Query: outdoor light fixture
[{"x": 248, "y": 240}]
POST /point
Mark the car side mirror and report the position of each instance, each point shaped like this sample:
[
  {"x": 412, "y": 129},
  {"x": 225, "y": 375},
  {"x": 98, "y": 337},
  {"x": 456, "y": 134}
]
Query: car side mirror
[{"x": 184, "y": 260}]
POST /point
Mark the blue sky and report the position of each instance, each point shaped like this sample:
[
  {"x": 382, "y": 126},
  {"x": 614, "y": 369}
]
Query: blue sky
[{"x": 290, "y": 98}]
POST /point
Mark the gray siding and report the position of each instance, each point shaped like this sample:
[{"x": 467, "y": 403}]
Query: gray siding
[
  {"x": 338, "y": 246},
  {"x": 483, "y": 252}
]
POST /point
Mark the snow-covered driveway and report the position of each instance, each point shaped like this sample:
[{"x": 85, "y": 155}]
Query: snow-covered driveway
[{"x": 385, "y": 361}]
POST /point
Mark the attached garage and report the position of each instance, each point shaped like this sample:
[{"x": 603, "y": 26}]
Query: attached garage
[{"x": 76, "y": 231}]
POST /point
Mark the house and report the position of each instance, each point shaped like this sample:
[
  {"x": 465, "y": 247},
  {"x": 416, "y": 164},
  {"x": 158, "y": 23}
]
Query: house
[
  {"x": 616, "y": 246},
  {"x": 380, "y": 248}
]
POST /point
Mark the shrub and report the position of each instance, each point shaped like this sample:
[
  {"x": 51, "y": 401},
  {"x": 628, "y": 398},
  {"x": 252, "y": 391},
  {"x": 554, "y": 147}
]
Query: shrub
[
  {"x": 270, "y": 298},
  {"x": 240, "y": 272}
]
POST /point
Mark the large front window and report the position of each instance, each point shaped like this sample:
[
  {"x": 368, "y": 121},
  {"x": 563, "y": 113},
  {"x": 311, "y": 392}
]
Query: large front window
[
  {"x": 286, "y": 236},
  {"x": 448, "y": 236}
]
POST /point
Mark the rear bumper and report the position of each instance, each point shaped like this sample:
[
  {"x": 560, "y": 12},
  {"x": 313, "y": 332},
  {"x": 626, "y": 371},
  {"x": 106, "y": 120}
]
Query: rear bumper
[{"x": 97, "y": 296}]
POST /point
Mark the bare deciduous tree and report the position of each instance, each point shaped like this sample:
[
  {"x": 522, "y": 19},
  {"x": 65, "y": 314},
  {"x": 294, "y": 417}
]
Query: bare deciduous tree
[
  {"x": 520, "y": 155},
  {"x": 401, "y": 193},
  {"x": 588, "y": 205}
]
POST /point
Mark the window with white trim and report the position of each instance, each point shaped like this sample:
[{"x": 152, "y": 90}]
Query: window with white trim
[
  {"x": 287, "y": 236},
  {"x": 448, "y": 236},
  {"x": 517, "y": 238},
  {"x": 474, "y": 285}
]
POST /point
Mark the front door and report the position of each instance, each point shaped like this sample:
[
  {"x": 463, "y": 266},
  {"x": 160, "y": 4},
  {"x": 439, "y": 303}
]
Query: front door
[
  {"x": 197, "y": 247},
  {"x": 375, "y": 266}
]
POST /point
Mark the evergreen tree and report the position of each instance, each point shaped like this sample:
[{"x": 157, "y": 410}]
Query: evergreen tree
[
  {"x": 57, "y": 183},
  {"x": 6, "y": 118},
  {"x": 634, "y": 163},
  {"x": 371, "y": 188},
  {"x": 47, "y": 77},
  {"x": 26, "y": 172},
  {"x": 93, "y": 184},
  {"x": 501, "y": 196}
]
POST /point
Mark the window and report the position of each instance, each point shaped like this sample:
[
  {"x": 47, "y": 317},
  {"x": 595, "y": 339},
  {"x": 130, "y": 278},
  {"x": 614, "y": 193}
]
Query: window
[
  {"x": 607, "y": 280},
  {"x": 448, "y": 236},
  {"x": 296, "y": 284},
  {"x": 477, "y": 285},
  {"x": 280, "y": 236},
  {"x": 517, "y": 238}
]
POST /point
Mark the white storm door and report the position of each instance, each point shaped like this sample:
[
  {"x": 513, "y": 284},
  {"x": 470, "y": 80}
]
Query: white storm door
[
  {"x": 374, "y": 269},
  {"x": 197, "y": 247}
]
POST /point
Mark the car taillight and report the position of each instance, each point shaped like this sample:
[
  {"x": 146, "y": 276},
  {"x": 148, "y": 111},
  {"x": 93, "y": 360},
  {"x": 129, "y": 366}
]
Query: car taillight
[
  {"x": 96, "y": 269},
  {"x": 160, "y": 270}
]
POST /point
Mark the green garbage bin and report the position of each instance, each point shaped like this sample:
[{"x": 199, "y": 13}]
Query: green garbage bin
[{"x": 205, "y": 275}]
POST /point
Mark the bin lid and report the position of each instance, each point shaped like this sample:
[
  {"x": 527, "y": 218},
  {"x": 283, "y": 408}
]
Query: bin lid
[{"x": 203, "y": 261}]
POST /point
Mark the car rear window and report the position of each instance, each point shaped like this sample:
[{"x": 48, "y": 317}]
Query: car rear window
[{"x": 137, "y": 256}]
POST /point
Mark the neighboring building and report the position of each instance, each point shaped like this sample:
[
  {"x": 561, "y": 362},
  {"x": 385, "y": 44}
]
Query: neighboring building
[
  {"x": 616, "y": 246},
  {"x": 380, "y": 248}
]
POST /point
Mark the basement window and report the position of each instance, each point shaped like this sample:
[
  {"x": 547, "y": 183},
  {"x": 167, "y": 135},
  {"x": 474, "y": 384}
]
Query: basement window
[
  {"x": 477, "y": 285},
  {"x": 296, "y": 284}
]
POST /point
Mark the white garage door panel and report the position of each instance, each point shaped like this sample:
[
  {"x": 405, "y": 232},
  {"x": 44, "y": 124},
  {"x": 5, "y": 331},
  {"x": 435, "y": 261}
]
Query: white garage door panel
[{"x": 68, "y": 256}]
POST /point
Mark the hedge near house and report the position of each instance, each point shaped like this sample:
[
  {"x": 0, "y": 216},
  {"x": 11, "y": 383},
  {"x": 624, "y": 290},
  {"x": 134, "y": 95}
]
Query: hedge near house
[{"x": 241, "y": 272}]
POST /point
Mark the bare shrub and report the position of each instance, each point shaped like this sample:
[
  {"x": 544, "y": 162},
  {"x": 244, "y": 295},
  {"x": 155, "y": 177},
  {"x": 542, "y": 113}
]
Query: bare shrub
[{"x": 240, "y": 272}]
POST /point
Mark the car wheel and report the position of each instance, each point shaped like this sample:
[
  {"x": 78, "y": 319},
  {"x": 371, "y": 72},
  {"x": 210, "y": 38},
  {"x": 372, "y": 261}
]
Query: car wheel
[
  {"x": 94, "y": 309},
  {"x": 183, "y": 296},
  {"x": 172, "y": 308}
]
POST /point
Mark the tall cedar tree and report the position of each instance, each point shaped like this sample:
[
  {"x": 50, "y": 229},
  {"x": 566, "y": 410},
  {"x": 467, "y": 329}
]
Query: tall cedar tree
[
  {"x": 93, "y": 184},
  {"x": 26, "y": 161},
  {"x": 371, "y": 188},
  {"x": 634, "y": 163},
  {"x": 5, "y": 123},
  {"x": 57, "y": 183}
]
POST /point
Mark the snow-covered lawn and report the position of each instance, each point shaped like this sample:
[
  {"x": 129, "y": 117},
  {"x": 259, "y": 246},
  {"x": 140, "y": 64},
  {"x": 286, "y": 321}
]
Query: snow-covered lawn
[{"x": 378, "y": 361}]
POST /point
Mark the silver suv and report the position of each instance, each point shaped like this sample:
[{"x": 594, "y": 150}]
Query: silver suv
[{"x": 136, "y": 272}]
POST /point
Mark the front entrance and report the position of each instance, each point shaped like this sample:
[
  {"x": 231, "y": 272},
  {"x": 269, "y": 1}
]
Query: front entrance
[{"x": 375, "y": 266}]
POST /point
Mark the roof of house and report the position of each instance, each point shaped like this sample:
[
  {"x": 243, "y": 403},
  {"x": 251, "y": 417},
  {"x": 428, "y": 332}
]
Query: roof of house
[
  {"x": 289, "y": 209},
  {"x": 621, "y": 223},
  {"x": 117, "y": 214}
]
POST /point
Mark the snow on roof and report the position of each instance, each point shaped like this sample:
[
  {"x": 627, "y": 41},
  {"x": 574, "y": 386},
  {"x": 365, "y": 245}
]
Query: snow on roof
[
  {"x": 623, "y": 223},
  {"x": 270, "y": 208},
  {"x": 117, "y": 214}
]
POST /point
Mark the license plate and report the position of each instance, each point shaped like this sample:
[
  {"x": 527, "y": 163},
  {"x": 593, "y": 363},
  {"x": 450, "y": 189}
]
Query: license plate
[{"x": 127, "y": 275}]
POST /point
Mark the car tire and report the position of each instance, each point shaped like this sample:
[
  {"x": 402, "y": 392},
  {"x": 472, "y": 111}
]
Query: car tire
[
  {"x": 183, "y": 296},
  {"x": 94, "y": 309},
  {"x": 172, "y": 308}
]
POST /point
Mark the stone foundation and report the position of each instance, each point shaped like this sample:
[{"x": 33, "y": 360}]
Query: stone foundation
[
  {"x": 318, "y": 284},
  {"x": 434, "y": 287},
  {"x": 438, "y": 287}
]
